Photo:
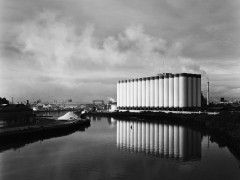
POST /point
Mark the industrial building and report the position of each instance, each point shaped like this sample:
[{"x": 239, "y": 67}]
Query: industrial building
[{"x": 162, "y": 92}]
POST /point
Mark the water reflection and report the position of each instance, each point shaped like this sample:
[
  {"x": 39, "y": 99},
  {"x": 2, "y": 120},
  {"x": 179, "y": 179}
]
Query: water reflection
[
  {"x": 170, "y": 141},
  {"x": 95, "y": 118},
  {"x": 112, "y": 122}
]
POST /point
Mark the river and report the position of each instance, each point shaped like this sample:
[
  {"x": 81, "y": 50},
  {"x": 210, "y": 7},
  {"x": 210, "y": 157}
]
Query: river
[{"x": 120, "y": 149}]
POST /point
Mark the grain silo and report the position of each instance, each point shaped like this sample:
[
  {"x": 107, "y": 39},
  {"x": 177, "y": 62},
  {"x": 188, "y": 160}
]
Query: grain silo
[
  {"x": 161, "y": 91},
  {"x": 143, "y": 92},
  {"x": 183, "y": 91},
  {"x": 148, "y": 92},
  {"x": 171, "y": 91},
  {"x": 135, "y": 84},
  {"x": 176, "y": 91},
  {"x": 151, "y": 92},
  {"x": 139, "y": 102},
  {"x": 128, "y": 93},
  {"x": 131, "y": 93},
  {"x": 199, "y": 90},
  {"x": 156, "y": 92},
  {"x": 122, "y": 94},
  {"x": 190, "y": 91},
  {"x": 125, "y": 94},
  {"x": 194, "y": 89},
  {"x": 166, "y": 91},
  {"x": 118, "y": 94}
]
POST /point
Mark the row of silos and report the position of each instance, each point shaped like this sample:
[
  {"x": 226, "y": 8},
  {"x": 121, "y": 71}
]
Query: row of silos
[
  {"x": 164, "y": 91},
  {"x": 166, "y": 140}
]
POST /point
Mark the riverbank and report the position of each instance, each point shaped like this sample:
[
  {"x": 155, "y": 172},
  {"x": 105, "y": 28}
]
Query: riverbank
[
  {"x": 224, "y": 126},
  {"x": 44, "y": 128}
]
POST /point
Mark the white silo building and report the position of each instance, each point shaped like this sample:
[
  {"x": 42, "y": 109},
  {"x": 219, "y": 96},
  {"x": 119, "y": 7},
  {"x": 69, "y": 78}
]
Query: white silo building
[
  {"x": 171, "y": 91},
  {"x": 176, "y": 91},
  {"x": 162, "y": 92}
]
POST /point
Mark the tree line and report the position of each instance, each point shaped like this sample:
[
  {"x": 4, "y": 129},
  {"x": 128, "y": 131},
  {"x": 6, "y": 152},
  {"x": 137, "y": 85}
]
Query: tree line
[{"x": 4, "y": 101}]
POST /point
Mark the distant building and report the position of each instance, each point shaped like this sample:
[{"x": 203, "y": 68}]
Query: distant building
[
  {"x": 97, "y": 102},
  {"x": 161, "y": 92},
  {"x": 223, "y": 101},
  {"x": 112, "y": 106}
]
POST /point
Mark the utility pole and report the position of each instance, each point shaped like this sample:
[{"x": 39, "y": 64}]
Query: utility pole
[{"x": 163, "y": 65}]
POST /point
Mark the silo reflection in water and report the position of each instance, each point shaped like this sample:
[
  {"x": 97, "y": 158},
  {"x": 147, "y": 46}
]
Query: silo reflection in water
[
  {"x": 139, "y": 136},
  {"x": 161, "y": 139},
  {"x": 169, "y": 141},
  {"x": 194, "y": 143},
  {"x": 189, "y": 136},
  {"x": 181, "y": 142},
  {"x": 147, "y": 137},
  {"x": 128, "y": 135},
  {"x": 131, "y": 135},
  {"x": 135, "y": 133},
  {"x": 143, "y": 136},
  {"x": 124, "y": 132},
  {"x": 151, "y": 148},
  {"x": 118, "y": 131},
  {"x": 156, "y": 138},
  {"x": 176, "y": 141},
  {"x": 166, "y": 140}
]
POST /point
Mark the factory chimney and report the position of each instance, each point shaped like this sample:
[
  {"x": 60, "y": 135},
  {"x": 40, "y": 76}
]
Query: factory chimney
[{"x": 208, "y": 93}]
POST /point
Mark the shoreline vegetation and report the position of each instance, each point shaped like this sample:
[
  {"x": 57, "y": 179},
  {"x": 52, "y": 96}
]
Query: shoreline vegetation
[{"x": 223, "y": 127}]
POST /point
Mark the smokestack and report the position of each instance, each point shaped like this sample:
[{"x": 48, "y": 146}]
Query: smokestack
[{"x": 208, "y": 93}]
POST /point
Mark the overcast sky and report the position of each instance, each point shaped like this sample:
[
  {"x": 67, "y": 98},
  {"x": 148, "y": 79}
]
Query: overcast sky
[{"x": 79, "y": 49}]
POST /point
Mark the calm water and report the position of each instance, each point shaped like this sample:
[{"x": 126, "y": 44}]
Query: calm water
[{"x": 118, "y": 149}]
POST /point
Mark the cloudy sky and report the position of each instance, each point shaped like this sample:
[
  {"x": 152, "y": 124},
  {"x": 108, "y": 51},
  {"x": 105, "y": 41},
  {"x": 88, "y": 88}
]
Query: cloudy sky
[{"x": 79, "y": 49}]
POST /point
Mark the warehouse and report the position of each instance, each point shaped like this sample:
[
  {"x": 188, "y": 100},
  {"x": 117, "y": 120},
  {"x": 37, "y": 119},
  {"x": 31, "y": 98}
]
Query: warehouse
[{"x": 162, "y": 92}]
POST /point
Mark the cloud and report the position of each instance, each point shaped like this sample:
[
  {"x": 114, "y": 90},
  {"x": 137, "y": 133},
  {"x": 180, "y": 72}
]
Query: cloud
[
  {"x": 110, "y": 99},
  {"x": 54, "y": 43},
  {"x": 56, "y": 53}
]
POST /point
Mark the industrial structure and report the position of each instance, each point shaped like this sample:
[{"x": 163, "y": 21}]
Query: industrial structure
[{"x": 162, "y": 92}]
